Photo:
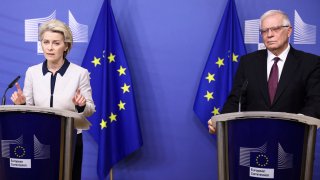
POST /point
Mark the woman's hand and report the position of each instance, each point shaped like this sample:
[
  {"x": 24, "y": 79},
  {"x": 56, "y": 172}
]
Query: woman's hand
[
  {"x": 78, "y": 99},
  {"x": 17, "y": 97}
]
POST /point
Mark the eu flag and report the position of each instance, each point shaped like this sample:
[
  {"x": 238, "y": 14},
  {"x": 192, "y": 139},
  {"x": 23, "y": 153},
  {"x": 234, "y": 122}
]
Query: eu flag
[
  {"x": 216, "y": 80},
  {"x": 115, "y": 125}
]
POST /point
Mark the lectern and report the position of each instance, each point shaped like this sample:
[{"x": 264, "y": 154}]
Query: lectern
[
  {"x": 265, "y": 145},
  {"x": 37, "y": 143}
]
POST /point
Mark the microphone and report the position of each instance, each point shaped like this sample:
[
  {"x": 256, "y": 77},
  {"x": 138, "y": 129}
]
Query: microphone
[
  {"x": 9, "y": 86},
  {"x": 243, "y": 88}
]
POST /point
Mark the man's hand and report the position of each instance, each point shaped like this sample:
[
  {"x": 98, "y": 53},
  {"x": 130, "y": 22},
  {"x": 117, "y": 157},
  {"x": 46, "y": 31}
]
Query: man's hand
[{"x": 212, "y": 126}]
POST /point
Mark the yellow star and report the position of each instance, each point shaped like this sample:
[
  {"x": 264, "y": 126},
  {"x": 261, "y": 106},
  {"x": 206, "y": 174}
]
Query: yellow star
[
  {"x": 215, "y": 111},
  {"x": 125, "y": 88},
  {"x": 96, "y": 61},
  {"x": 210, "y": 77},
  {"x": 209, "y": 95},
  {"x": 220, "y": 62},
  {"x": 113, "y": 117},
  {"x": 122, "y": 70},
  {"x": 111, "y": 58},
  {"x": 121, "y": 105},
  {"x": 103, "y": 124},
  {"x": 234, "y": 57}
]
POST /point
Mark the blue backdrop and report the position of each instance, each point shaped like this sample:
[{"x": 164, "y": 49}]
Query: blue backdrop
[{"x": 167, "y": 43}]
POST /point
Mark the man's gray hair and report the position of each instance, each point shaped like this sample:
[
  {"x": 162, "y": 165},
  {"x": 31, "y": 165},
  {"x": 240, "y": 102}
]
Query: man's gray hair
[{"x": 286, "y": 21}]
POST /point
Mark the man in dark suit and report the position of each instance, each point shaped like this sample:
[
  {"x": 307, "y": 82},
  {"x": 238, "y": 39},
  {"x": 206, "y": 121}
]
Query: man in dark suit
[{"x": 280, "y": 78}]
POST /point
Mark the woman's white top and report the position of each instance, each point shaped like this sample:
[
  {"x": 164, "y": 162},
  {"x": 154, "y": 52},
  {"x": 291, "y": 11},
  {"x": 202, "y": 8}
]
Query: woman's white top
[{"x": 69, "y": 78}]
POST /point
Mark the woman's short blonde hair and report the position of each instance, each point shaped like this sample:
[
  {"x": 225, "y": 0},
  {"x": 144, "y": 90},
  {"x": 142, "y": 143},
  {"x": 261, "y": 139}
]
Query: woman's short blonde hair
[{"x": 58, "y": 26}]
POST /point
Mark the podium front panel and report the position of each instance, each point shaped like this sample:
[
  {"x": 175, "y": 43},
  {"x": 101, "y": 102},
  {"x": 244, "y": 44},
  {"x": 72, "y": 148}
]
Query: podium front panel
[
  {"x": 261, "y": 148},
  {"x": 30, "y": 146}
]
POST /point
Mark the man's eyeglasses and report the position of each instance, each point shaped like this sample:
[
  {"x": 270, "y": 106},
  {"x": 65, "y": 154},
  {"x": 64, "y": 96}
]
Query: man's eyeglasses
[{"x": 274, "y": 29}]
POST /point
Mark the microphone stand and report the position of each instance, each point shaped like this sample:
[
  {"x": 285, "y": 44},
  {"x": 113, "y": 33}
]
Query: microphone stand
[
  {"x": 243, "y": 88},
  {"x": 3, "y": 101}
]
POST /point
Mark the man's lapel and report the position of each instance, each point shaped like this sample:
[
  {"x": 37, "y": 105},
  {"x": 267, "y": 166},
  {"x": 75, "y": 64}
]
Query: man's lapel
[
  {"x": 261, "y": 72},
  {"x": 288, "y": 72}
]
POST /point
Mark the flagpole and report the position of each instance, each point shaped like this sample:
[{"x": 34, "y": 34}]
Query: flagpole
[{"x": 110, "y": 173}]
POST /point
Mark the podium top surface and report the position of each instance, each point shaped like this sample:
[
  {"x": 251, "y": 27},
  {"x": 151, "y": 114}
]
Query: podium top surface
[
  {"x": 80, "y": 122},
  {"x": 266, "y": 114}
]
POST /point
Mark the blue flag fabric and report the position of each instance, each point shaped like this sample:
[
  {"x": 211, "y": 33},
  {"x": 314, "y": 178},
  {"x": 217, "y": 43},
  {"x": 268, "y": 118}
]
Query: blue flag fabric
[
  {"x": 217, "y": 77},
  {"x": 115, "y": 125}
]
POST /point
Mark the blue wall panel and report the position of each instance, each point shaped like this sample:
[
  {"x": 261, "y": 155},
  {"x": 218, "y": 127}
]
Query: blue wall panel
[{"x": 167, "y": 43}]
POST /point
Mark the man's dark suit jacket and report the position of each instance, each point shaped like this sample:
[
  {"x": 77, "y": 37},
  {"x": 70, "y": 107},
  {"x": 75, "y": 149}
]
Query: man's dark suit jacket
[{"x": 298, "y": 89}]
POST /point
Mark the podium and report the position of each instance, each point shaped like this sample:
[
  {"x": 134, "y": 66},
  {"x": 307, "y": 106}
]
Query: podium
[
  {"x": 265, "y": 145},
  {"x": 37, "y": 143}
]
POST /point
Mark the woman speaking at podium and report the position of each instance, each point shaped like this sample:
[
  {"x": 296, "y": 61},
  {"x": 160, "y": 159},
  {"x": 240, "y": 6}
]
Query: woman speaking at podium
[{"x": 57, "y": 82}]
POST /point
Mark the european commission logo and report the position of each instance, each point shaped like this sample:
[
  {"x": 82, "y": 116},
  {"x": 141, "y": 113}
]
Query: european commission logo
[
  {"x": 31, "y": 28},
  {"x": 21, "y": 154},
  {"x": 303, "y": 33},
  {"x": 261, "y": 164}
]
